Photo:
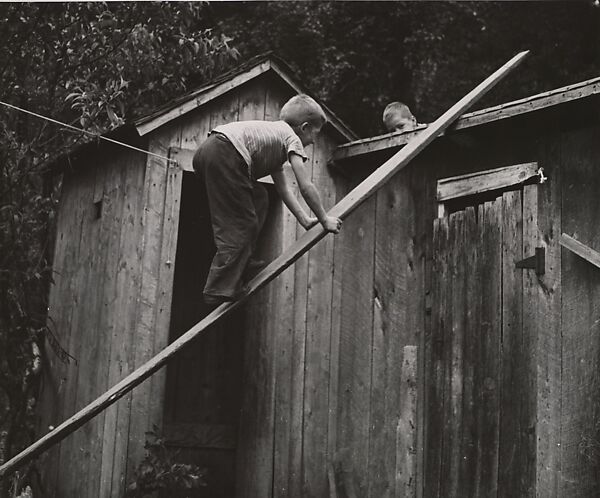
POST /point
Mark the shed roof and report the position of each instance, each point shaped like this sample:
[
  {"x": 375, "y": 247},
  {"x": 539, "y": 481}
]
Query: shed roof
[
  {"x": 249, "y": 70},
  {"x": 132, "y": 131},
  {"x": 570, "y": 93}
]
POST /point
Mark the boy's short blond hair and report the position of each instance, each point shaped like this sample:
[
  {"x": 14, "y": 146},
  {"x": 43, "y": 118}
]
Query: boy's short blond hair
[
  {"x": 397, "y": 116},
  {"x": 302, "y": 109}
]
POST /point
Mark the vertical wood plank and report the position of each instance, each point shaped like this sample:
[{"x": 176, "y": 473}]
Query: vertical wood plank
[
  {"x": 132, "y": 411},
  {"x": 164, "y": 298},
  {"x": 122, "y": 282},
  {"x": 298, "y": 360},
  {"x": 489, "y": 359},
  {"x": 448, "y": 256},
  {"x": 118, "y": 195},
  {"x": 116, "y": 326},
  {"x": 224, "y": 110},
  {"x": 72, "y": 454},
  {"x": 423, "y": 182},
  {"x": 55, "y": 369},
  {"x": 580, "y": 444},
  {"x": 85, "y": 391},
  {"x": 342, "y": 187},
  {"x": 530, "y": 328},
  {"x": 454, "y": 371},
  {"x": 284, "y": 349},
  {"x": 318, "y": 339},
  {"x": 391, "y": 329},
  {"x": 406, "y": 433},
  {"x": 355, "y": 347},
  {"x": 549, "y": 322},
  {"x": 195, "y": 127},
  {"x": 167, "y": 205},
  {"x": 435, "y": 398},
  {"x": 282, "y": 301},
  {"x": 471, "y": 347},
  {"x": 108, "y": 336},
  {"x": 514, "y": 451},
  {"x": 255, "y": 454},
  {"x": 96, "y": 345}
]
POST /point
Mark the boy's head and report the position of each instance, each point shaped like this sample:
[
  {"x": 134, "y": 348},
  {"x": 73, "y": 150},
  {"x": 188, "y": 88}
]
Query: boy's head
[
  {"x": 305, "y": 116},
  {"x": 397, "y": 117}
]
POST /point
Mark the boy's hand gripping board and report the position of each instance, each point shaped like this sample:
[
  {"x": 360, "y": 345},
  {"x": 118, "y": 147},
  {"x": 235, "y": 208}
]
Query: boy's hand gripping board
[{"x": 373, "y": 182}]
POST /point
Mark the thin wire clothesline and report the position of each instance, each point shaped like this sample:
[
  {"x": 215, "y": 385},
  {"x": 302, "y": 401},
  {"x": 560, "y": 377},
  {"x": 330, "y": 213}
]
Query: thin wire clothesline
[{"x": 95, "y": 135}]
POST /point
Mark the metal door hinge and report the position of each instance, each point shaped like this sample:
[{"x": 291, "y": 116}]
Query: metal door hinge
[{"x": 536, "y": 262}]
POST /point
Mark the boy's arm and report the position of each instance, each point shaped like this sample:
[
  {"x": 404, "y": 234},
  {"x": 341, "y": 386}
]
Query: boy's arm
[
  {"x": 289, "y": 199},
  {"x": 311, "y": 195}
]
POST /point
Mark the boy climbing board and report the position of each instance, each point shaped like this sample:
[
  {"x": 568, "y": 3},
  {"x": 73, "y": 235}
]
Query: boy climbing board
[{"x": 230, "y": 162}]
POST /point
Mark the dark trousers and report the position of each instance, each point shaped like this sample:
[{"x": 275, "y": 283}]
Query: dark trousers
[{"x": 238, "y": 208}]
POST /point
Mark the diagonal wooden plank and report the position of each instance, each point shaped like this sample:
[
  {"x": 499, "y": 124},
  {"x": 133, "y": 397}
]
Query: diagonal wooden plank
[
  {"x": 583, "y": 251},
  {"x": 356, "y": 197}
]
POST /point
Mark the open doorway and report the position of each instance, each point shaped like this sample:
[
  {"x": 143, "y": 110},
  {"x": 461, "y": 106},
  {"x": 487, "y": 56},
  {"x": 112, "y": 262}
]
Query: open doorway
[{"x": 204, "y": 381}]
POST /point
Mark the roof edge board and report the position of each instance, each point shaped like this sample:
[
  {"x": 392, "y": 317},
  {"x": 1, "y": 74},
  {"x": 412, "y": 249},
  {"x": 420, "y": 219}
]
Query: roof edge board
[
  {"x": 526, "y": 105},
  {"x": 336, "y": 122},
  {"x": 145, "y": 127}
]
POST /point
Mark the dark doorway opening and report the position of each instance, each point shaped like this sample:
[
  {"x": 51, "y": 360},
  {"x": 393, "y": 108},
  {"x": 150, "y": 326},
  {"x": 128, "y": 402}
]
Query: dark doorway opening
[{"x": 204, "y": 382}]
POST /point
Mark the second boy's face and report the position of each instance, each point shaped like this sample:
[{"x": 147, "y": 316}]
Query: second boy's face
[{"x": 308, "y": 133}]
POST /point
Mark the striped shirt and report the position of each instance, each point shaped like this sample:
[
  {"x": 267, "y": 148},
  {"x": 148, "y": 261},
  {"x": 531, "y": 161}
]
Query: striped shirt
[{"x": 264, "y": 145}]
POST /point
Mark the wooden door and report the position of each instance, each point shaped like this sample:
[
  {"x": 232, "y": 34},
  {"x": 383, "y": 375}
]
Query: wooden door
[{"x": 480, "y": 391}]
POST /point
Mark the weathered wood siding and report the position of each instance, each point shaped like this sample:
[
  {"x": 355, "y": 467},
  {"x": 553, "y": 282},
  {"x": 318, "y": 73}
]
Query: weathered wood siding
[
  {"x": 335, "y": 375},
  {"x": 95, "y": 290},
  {"x": 550, "y": 380},
  {"x": 111, "y": 310},
  {"x": 579, "y": 456},
  {"x": 324, "y": 355},
  {"x": 112, "y": 292}
]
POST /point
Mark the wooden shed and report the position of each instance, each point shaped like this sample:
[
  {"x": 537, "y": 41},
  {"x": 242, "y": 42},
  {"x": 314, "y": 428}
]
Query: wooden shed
[
  {"x": 484, "y": 253},
  {"x": 443, "y": 344},
  {"x": 132, "y": 250}
]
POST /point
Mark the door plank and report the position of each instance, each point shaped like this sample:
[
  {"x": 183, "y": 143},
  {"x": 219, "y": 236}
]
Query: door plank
[
  {"x": 471, "y": 346},
  {"x": 489, "y": 358},
  {"x": 513, "y": 480},
  {"x": 433, "y": 453}
]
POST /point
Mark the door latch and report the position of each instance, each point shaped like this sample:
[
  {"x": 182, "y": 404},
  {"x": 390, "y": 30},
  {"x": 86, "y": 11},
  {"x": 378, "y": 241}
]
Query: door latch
[{"x": 536, "y": 262}]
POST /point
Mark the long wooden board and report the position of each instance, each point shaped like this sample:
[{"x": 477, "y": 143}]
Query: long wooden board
[
  {"x": 356, "y": 197},
  {"x": 580, "y": 249}
]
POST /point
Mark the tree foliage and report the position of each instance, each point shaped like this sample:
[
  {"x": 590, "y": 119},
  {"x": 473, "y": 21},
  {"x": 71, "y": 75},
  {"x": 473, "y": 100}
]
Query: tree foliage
[
  {"x": 359, "y": 56},
  {"x": 89, "y": 64}
]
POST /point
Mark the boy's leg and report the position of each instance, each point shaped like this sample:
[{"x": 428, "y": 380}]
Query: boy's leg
[
  {"x": 233, "y": 216},
  {"x": 260, "y": 198}
]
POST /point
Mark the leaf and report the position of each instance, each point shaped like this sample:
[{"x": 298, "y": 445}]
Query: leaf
[{"x": 111, "y": 115}]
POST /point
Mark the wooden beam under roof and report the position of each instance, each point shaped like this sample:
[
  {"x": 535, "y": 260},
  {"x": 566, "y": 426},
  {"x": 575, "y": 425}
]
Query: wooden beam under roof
[{"x": 503, "y": 111}]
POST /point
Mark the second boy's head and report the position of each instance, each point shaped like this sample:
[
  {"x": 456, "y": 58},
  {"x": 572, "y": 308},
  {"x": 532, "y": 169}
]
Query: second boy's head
[
  {"x": 397, "y": 117},
  {"x": 305, "y": 116}
]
